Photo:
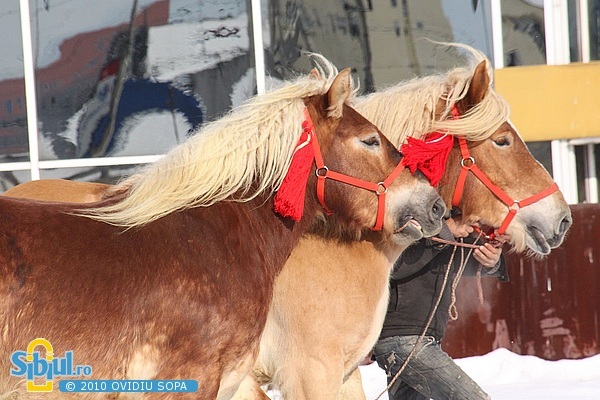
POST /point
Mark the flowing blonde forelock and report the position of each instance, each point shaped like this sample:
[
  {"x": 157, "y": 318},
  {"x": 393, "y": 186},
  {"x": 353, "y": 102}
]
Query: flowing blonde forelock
[{"x": 409, "y": 108}]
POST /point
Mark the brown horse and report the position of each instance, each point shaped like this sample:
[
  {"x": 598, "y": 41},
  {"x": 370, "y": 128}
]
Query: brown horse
[
  {"x": 330, "y": 299},
  {"x": 60, "y": 190},
  {"x": 171, "y": 277}
]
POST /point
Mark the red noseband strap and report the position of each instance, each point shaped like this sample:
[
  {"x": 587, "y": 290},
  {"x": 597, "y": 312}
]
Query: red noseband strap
[
  {"x": 323, "y": 173},
  {"x": 468, "y": 164}
]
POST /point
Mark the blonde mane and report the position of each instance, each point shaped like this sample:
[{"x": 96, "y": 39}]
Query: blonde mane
[
  {"x": 408, "y": 108},
  {"x": 242, "y": 155}
]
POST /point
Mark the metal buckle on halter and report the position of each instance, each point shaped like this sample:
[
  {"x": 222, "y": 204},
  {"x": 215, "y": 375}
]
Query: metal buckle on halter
[
  {"x": 471, "y": 162},
  {"x": 324, "y": 171},
  {"x": 515, "y": 206},
  {"x": 379, "y": 191}
]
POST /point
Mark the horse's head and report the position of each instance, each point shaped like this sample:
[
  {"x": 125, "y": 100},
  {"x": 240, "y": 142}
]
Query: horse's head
[
  {"x": 517, "y": 186},
  {"x": 425, "y": 105},
  {"x": 352, "y": 146}
]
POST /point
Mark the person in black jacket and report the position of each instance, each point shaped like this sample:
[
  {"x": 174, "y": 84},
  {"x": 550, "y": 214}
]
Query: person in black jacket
[{"x": 416, "y": 283}]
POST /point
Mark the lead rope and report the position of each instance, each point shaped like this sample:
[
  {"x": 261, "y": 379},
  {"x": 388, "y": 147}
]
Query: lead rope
[
  {"x": 452, "y": 310},
  {"x": 479, "y": 286},
  {"x": 463, "y": 262}
]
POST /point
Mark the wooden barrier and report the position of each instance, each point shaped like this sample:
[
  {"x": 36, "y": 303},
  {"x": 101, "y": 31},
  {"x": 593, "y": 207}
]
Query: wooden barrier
[{"x": 550, "y": 308}]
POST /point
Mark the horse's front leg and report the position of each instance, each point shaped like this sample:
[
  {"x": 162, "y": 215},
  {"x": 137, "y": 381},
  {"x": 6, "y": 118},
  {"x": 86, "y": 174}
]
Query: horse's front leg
[
  {"x": 312, "y": 378},
  {"x": 352, "y": 388},
  {"x": 250, "y": 390}
]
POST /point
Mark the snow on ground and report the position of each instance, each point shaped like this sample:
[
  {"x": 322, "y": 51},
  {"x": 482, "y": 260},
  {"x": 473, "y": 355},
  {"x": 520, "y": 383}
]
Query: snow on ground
[{"x": 508, "y": 376}]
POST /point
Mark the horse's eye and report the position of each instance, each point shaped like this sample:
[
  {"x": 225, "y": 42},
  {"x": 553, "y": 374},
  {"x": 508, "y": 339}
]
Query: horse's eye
[
  {"x": 373, "y": 141},
  {"x": 502, "y": 141}
]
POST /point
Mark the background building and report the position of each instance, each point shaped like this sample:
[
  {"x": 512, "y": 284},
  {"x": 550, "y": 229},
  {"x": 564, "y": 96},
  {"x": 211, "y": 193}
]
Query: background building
[
  {"x": 89, "y": 89},
  {"x": 88, "y": 64}
]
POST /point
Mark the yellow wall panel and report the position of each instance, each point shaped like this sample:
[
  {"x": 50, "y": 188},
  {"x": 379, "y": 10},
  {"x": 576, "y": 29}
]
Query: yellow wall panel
[{"x": 553, "y": 101}]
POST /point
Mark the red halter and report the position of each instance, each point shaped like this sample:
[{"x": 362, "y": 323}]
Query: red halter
[
  {"x": 468, "y": 164},
  {"x": 322, "y": 172}
]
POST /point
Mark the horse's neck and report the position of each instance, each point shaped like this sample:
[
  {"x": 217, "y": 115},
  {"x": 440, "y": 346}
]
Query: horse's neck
[
  {"x": 267, "y": 232},
  {"x": 281, "y": 234},
  {"x": 370, "y": 241}
]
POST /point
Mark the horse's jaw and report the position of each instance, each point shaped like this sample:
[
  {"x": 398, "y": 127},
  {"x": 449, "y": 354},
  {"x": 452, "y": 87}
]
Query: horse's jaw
[
  {"x": 410, "y": 230},
  {"x": 542, "y": 243},
  {"x": 536, "y": 241},
  {"x": 531, "y": 231},
  {"x": 543, "y": 225}
]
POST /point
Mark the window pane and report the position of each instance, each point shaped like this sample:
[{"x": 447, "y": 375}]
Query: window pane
[
  {"x": 574, "y": 42},
  {"x": 593, "y": 21},
  {"x": 597, "y": 162},
  {"x": 542, "y": 151},
  {"x": 594, "y": 17},
  {"x": 112, "y": 85},
  {"x": 383, "y": 41},
  {"x": 13, "y": 115},
  {"x": 580, "y": 165},
  {"x": 523, "y": 32}
]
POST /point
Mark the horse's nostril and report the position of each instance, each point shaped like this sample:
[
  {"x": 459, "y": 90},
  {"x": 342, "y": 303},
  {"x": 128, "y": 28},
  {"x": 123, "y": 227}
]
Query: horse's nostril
[
  {"x": 565, "y": 224},
  {"x": 438, "y": 209}
]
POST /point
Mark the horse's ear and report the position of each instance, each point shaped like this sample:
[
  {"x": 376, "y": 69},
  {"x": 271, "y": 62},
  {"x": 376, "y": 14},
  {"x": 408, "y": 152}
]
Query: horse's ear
[
  {"x": 338, "y": 93},
  {"x": 314, "y": 74},
  {"x": 480, "y": 84}
]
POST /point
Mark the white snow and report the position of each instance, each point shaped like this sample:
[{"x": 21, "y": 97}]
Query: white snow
[{"x": 508, "y": 376}]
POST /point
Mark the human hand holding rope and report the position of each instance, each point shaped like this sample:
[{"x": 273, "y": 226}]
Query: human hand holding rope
[{"x": 487, "y": 255}]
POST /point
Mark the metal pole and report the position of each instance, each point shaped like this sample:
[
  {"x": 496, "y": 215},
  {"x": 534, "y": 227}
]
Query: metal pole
[
  {"x": 30, "y": 95},
  {"x": 122, "y": 74},
  {"x": 259, "y": 55},
  {"x": 556, "y": 23},
  {"x": 591, "y": 180},
  {"x": 497, "y": 42},
  {"x": 583, "y": 29}
]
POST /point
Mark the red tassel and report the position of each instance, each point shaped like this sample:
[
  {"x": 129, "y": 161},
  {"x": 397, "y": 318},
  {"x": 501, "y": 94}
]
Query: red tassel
[
  {"x": 289, "y": 199},
  {"x": 429, "y": 155}
]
